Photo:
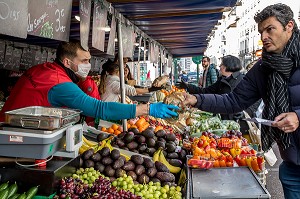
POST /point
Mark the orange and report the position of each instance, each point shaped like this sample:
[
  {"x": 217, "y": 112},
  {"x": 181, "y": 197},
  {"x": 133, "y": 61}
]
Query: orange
[
  {"x": 114, "y": 126},
  {"x": 134, "y": 126},
  {"x": 140, "y": 122},
  {"x": 128, "y": 125},
  {"x": 117, "y": 132},
  {"x": 103, "y": 129},
  {"x": 110, "y": 130}
]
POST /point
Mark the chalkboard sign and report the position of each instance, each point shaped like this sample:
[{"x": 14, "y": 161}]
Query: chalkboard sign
[
  {"x": 49, "y": 18},
  {"x": 99, "y": 23},
  {"x": 85, "y": 18},
  {"x": 13, "y": 17}
]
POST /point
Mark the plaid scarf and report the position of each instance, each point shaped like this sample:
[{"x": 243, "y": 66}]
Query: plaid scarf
[{"x": 280, "y": 67}]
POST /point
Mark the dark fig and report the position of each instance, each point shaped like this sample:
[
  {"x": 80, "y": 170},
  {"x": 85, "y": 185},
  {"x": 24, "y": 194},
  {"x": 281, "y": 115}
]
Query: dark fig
[
  {"x": 120, "y": 173},
  {"x": 107, "y": 160},
  {"x": 165, "y": 177},
  {"x": 151, "y": 172},
  {"x": 142, "y": 147},
  {"x": 173, "y": 155},
  {"x": 132, "y": 145},
  {"x": 148, "y": 133},
  {"x": 109, "y": 171},
  {"x": 143, "y": 179},
  {"x": 150, "y": 142},
  {"x": 128, "y": 137},
  {"x": 129, "y": 166}
]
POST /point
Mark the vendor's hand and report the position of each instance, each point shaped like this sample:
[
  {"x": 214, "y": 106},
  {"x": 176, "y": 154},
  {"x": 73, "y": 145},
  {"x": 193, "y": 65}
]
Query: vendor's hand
[
  {"x": 161, "y": 110},
  {"x": 153, "y": 88},
  {"x": 190, "y": 100},
  {"x": 287, "y": 122}
]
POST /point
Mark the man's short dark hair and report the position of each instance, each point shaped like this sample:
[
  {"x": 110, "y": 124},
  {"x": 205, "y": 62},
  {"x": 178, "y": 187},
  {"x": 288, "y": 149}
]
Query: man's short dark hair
[
  {"x": 68, "y": 49},
  {"x": 281, "y": 12},
  {"x": 231, "y": 63},
  {"x": 205, "y": 57}
]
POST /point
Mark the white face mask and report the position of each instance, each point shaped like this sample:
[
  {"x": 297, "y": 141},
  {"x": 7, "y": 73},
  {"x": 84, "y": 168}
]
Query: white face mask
[{"x": 83, "y": 70}]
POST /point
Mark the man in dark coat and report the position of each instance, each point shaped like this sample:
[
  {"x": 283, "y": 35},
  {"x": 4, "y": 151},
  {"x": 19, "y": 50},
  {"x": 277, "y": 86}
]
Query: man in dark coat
[{"x": 275, "y": 79}]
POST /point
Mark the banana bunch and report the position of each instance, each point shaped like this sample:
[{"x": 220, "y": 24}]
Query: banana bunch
[
  {"x": 159, "y": 156},
  {"x": 87, "y": 144}
]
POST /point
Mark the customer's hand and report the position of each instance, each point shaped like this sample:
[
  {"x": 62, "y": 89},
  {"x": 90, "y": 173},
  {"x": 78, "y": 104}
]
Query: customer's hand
[
  {"x": 190, "y": 100},
  {"x": 287, "y": 122},
  {"x": 161, "y": 110},
  {"x": 183, "y": 85}
]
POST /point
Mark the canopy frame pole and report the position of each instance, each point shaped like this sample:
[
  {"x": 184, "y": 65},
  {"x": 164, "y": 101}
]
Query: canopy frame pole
[{"x": 121, "y": 67}]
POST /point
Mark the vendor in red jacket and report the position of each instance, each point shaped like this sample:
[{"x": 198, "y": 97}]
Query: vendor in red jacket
[{"x": 54, "y": 84}]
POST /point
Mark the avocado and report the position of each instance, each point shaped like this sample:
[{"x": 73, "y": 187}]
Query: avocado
[
  {"x": 137, "y": 159},
  {"x": 182, "y": 154},
  {"x": 102, "y": 136},
  {"x": 151, "y": 172},
  {"x": 109, "y": 171},
  {"x": 120, "y": 142},
  {"x": 118, "y": 164},
  {"x": 161, "y": 133},
  {"x": 122, "y": 158},
  {"x": 132, "y": 174},
  {"x": 88, "y": 163},
  {"x": 129, "y": 166},
  {"x": 134, "y": 130},
  {"x": 143, "y": 179},
  {"x": 154, "y": 180},
  {"x": 162, "y": 140},
  {"x": 140, "y": 139},
  {"x": 96, "y": 157},
  {"x": 165, "y": 177},
  {"x": 170, "y": 137},
  {"x": 142, "y": 147},
  {"x": 128, "y": 137},
  {"x": 148, "y": 133},
  {"x": 170, "y": 148},
  {"x": 140, "y": 169},
  {"x": 106, "y": 161},
  {"x": 135, "y": 151},
  {"x": 151, "y": 142},
  {"x": 150, "y": 151},
  {"x": 121, "y": 135},
  {"x": 148, "y": 163},
  {"x": 99, "y": 166},
  {"x": 175, "y": 162},
  {"x": 161, "y": 167},
  {"x": 115, "y": 154},
  {"x": 173, "y": 155},
  {"x": 160, "y": 144},
  {"x": 132, "y": 145},
  {"x": 120, "y": 173},
  {"x": 87, "y": 154},
  {"x": 105, "y": 151}
]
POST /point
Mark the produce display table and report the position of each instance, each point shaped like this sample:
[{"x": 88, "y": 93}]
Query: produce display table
[
  {"x": 46, "y": 177},
  {"x": 225, "y": 183}
]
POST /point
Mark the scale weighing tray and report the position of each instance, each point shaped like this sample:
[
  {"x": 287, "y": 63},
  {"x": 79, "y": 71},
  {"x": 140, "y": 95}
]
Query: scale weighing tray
[{"x": 229, "y": 183}]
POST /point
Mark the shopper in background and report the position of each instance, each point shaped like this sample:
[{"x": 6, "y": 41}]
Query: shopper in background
[
  {"x": 55, "y": 84},
  {"x": 109, "y": 87},
  {"x": 275, "y": 79},
  {"x": 128, "y": 76},
  {"x": 210, "y": 75},
  {"x": 230, "y": 77}
]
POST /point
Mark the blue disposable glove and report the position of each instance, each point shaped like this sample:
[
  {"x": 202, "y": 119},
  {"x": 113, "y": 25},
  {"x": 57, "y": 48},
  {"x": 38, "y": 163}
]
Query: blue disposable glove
[{"x": 161, "y": 110}]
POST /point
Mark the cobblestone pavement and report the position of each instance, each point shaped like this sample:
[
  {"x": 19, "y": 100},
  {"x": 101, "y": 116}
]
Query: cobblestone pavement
[{"x": 273, "y": 184}]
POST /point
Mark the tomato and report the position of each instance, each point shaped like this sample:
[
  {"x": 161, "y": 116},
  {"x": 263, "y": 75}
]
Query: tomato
[
  {"x": 229, "y": 164},
  {"x": 216, "y": 163}
]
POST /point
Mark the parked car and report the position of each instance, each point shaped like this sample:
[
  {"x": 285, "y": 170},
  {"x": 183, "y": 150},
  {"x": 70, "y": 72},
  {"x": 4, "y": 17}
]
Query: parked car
[{"x": 192, "y": 76}]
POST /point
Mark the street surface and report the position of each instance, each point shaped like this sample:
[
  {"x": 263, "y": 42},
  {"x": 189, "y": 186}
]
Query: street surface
[{"x": 273, "y": 184}]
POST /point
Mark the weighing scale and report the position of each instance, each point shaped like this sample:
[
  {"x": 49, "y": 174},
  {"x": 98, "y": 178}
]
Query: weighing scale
[{"x": 40, "y": 144}]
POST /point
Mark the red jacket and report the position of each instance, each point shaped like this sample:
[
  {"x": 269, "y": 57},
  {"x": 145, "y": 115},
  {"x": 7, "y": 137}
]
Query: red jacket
[
  {"x": 90, "y": 88},
  {"x": 33, "y": 86}
]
